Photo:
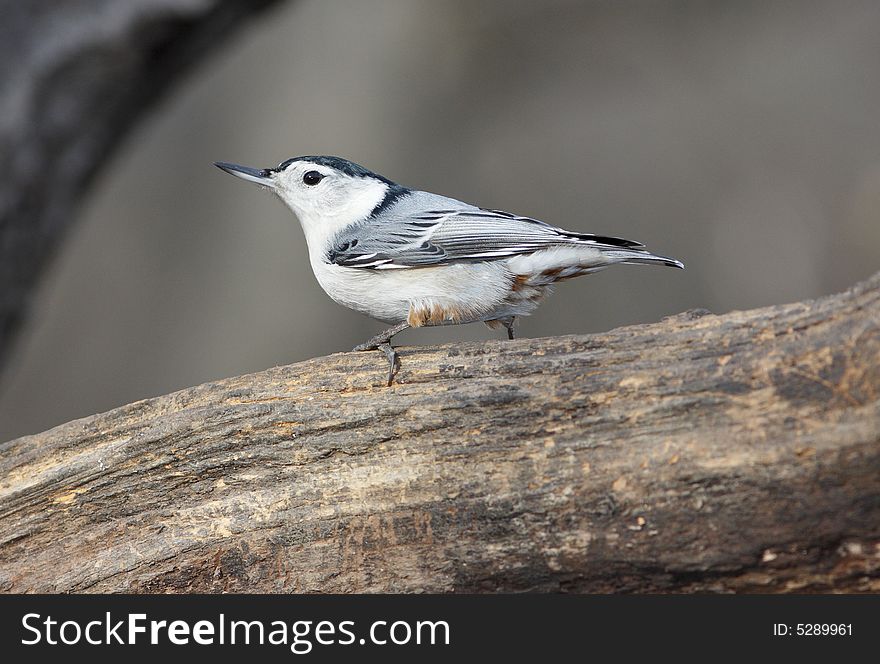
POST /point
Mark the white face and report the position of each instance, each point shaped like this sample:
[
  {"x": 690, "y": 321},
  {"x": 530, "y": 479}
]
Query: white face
[{"x": 324, "y": 199}]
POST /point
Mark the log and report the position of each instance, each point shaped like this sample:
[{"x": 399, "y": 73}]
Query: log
[
  {"x": 75, "y": 77},
  {"x": 703, "y": 453}
]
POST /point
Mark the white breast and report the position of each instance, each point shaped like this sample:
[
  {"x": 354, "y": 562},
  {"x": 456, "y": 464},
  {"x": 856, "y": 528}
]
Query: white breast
[{"x": 475, "y": 290}]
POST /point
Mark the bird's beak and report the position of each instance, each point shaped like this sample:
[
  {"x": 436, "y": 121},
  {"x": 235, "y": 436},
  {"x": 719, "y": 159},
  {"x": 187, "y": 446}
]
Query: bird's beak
[{"x": 259, "y": 175}]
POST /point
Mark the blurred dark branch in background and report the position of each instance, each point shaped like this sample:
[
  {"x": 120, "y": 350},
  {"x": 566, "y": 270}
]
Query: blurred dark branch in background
[
  {"x": 75, "y": 76},
  {"x": 702, "y": 453}
]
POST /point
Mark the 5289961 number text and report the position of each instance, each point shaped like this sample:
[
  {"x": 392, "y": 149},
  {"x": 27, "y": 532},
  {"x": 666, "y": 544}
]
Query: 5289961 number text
[{"x": 812, "y": 629}]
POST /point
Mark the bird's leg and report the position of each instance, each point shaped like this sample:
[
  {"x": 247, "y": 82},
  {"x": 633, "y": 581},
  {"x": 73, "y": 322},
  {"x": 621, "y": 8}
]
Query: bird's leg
[
  {"x": 393, "y": 361},
  {"x": 382, "y": 341},
  {"x": 383, "y": 337},
  {"x": 508, "y": 323}
]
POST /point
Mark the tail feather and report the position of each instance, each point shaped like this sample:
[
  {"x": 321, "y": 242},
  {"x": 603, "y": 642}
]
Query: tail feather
[
  {"x": 632, "y": 256},
  {"x": 601, "y": 239}
]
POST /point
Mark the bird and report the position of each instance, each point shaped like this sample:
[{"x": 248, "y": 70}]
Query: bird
[{"x": 411, "y": 258}]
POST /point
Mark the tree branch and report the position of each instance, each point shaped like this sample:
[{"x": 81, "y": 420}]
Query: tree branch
[
  {"x": 74, "y": 78},
  {"x": 702, "y": 453}
]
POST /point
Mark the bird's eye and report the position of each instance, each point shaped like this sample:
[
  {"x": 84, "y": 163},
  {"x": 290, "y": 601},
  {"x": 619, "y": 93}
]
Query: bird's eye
[{"x": 312, "y": 178}]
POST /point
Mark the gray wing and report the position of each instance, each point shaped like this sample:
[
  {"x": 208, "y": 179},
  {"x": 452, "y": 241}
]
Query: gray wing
[{"x": 424, "y": 229}]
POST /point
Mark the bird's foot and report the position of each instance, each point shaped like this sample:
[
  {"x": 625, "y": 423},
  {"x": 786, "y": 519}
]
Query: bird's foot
[
  {"x": 393, "y": 361},
  {"x": 382, "y": 341},
  {"x": 509, "y": 323}
]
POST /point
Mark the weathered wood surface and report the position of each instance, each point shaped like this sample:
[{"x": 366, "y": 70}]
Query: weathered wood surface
[
  {"x": 702, "y": 453},
  {"x": 75, "y": 76}
]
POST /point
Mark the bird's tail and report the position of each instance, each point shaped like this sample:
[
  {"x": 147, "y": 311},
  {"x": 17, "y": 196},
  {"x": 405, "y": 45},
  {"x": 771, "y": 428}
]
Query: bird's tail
[{"x": 640, "y": 256}]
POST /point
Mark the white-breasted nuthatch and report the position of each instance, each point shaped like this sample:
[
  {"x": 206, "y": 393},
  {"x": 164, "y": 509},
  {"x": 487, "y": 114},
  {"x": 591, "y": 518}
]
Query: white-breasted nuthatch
[{"x": 412, "y": 258}]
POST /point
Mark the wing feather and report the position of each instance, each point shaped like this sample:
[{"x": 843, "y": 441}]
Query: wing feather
[{"x": 411, "y": 235}]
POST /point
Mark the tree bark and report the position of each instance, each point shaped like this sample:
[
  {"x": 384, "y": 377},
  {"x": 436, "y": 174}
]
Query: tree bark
[
  {"x": 75, "y": 75},
  {"x": 701, "y": 453}
]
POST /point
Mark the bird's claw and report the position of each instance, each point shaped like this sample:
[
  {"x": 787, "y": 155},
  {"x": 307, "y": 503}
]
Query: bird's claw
[
  {"x": 382, "y": 341},
  {"x": 390, "y": 353},
  {"x": 393, "y": 361}
]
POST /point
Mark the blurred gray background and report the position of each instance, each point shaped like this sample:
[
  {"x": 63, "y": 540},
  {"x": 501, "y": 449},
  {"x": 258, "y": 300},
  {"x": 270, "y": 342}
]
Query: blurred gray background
[{"x": 740, "y": 137}]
